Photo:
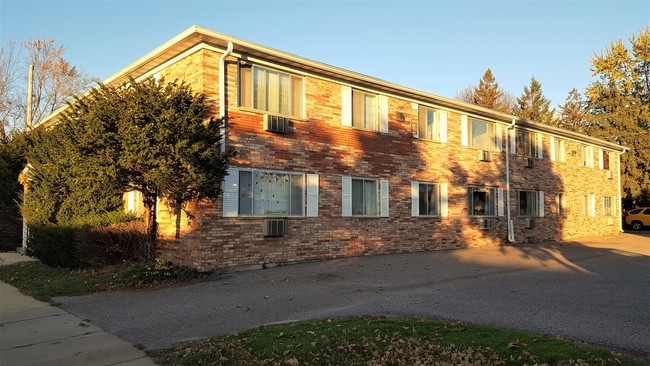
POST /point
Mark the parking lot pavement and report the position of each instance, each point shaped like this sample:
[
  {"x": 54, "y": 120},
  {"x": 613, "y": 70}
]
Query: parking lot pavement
[{"x": 595, "y": 290}]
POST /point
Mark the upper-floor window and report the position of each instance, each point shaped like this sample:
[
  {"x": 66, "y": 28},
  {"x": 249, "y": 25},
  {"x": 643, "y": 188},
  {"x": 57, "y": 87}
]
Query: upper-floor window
[
  {"x": 481, "y": 201},
  {"x": 481, "y": 134},
  {"x": 428, "y": 124},
  {"x": 606, "y": 162},
  {"x": 364, "y": 110},
  {"x": 270, "y": 90},
  {"x": 526, "y": 143},
  {"x": 587, "y": 155},
  {"x": 271, "y": 193},
  {"x": 557, "y": 149}
]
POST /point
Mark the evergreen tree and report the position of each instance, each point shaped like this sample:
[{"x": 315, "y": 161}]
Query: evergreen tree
[
  {"x": 619, "y": 105},
  {"x": 149, "y": 136},
  {"x": 573, "y": 114},
  {"x": 487, "y": 94},
  {"x": 533, "y": 105}
]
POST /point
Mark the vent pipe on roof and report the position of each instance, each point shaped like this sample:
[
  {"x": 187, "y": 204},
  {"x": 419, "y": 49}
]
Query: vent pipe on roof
[{"x": 222, "y": 95}]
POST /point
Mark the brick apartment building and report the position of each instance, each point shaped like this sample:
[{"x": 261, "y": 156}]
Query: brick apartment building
[{"x": 332, "y": 163}]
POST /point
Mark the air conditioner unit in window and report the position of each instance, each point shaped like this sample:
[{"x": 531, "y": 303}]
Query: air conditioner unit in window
[
  {"x": 275, "y": 227},
  {"x": 530, "y": 162},
  {"x": 276, "y": 124},
  {"x": 484, "y": 155},
  {"x": 529, "y": 223},
  {"x": 484, "y": 224},
  {"x": 610, "y": 174}
]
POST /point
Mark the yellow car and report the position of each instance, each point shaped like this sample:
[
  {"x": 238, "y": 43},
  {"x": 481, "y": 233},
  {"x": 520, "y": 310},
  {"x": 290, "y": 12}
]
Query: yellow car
[{"x": 638, "y": 218}]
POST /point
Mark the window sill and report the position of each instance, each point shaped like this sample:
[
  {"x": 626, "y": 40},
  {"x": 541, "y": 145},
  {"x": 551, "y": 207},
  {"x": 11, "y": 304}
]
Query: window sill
[
  {"x": 253, "y": 217},
  {"x": 262, "y": 112},
  {"x": 430, "y": 141},
  {"x": 364, "y": 129}
]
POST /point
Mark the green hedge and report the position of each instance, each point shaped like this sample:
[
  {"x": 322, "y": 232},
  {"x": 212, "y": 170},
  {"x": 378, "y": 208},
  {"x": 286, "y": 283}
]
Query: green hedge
[{"x": 58, "y": 245}]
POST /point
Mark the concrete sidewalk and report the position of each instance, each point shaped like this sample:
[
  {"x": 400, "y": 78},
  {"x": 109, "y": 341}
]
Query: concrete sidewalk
[{"x": 35, "y": 333}]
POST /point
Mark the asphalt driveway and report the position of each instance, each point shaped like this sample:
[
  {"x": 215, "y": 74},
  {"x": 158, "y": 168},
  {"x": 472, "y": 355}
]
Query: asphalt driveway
[{"x": 596, "y": 291}]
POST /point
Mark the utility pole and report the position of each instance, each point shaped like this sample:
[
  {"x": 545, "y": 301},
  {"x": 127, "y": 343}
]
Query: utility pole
[{"x": 30, "y": 82}]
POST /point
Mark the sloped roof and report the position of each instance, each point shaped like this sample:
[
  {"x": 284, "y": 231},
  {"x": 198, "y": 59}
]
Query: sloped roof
[{"x": 196, "y": 35}]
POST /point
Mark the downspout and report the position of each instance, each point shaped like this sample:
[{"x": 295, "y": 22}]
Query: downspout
[
  {"x": 511, "y": 227},
  {"x": 222, "y": 95},
  {"x": 620, "y": 202}
]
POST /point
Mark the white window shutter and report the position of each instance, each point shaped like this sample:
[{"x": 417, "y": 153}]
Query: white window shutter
[
  {"x": 346, "y": 196},
  {"x": 464, "y": 131},
  {"x": 231, "y": 193},
  {"x": 600, "y": 158},
  {"x": 443, "y": 126},
  {"x": 500, "y": 207},
  {"x": 593, "y": 205},
  {"x": 513, "y": 142},
  {"x": 553, "y": 157},
  {"x": 540, "y": 148},
  {"x": 383, "y": 114},
  {"x": 383, "y": 197},
  {"x": 444, "y": 200},
  {"x": 312, "y": 195},
  {"x": 591, "y": 156},
  {"x": 415, "y": 131},
  {"x": 346, "y": 106},
  {"x": 415, "y": 198},
  {"x": 541, "y": 203},
  {"x": 499, "y": 132}
]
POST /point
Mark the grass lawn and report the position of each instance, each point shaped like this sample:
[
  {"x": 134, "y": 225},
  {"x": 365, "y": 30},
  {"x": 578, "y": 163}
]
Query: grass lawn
[
  {"x": 43, "y": 282},
  {"x": 386, "y": 341}
]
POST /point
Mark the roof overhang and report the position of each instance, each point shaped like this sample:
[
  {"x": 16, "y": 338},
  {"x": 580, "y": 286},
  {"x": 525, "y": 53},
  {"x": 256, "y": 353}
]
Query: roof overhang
[{"x": 196, "y": 35}]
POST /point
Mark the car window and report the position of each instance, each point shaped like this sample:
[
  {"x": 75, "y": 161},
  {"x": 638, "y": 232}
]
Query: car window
[
  {"x": 635, "y": 211},
  {"x": 647, "y": 211}
]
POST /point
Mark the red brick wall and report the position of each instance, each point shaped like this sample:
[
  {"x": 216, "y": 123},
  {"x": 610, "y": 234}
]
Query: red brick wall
[{"x": 318, "y": 144}]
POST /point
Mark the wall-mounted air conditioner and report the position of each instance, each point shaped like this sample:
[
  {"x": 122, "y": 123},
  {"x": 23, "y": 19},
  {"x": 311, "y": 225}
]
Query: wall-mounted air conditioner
[
  {"x": 276, "y": 124},
  {"x": 529, "y": 223},
  {"x": 484, "y": 224},
  {"x": 275, "y": 227},
  {"x": 530, "y": 162},
  {"x": 484, "y": 155},
  {"x": 610, "y": 174}
]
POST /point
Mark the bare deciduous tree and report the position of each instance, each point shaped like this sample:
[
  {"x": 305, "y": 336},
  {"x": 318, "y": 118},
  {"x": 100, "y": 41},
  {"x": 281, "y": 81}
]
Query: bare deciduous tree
[{"x": 55, "y": 82}]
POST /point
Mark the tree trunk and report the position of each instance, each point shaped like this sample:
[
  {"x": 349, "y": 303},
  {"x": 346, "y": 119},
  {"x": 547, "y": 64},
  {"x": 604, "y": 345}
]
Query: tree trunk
[{"x": 152, "y": 227}]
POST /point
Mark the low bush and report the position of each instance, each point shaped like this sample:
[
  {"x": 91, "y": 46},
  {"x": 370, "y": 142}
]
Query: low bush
[
  {"x": 54, "y": 245},
  {"x": 142, "y": 274},
  {"x": 109, "y": 245},
  {"x": 86, "y": 241}
]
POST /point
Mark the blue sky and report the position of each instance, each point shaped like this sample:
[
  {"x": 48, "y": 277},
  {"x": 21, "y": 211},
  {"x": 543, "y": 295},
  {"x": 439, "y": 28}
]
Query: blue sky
[{"x": 435, "y": 46}]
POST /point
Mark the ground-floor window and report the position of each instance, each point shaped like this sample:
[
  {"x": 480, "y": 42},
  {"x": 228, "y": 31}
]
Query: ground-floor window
[
  {"x": 271, "y": 193},
  {"x": 364, "y": 197},
  {"x": 608, "y": 206},
  {"x": 560, "y": 204},
  {"x": 588, "y": 205},
  {"x": 481, "y": 201}
]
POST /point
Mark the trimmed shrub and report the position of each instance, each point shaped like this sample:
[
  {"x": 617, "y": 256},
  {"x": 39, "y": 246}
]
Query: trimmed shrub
[
  {"x": 54, "y": 245},
  {"x": 66, "y": 245},
  {"x": 108, "y": 245}
]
